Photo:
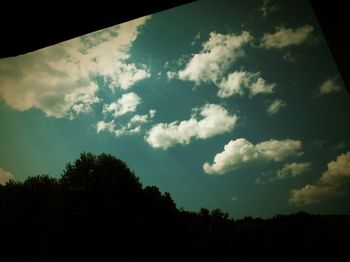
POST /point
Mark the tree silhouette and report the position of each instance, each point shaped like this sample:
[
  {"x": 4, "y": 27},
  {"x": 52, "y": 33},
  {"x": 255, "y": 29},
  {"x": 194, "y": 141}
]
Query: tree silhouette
[{"x": 98, "y": 209}]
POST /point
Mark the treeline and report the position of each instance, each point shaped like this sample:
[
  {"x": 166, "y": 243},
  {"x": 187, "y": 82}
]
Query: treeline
[{"x": 99, "y": 210}]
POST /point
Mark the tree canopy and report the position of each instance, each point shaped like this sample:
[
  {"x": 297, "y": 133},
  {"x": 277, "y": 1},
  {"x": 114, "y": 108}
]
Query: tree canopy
[{"x": 98, "y": 209}]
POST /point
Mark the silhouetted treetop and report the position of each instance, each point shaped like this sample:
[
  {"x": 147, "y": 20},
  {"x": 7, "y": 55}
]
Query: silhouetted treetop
[
  {"x": 91, "y": 172},
  {"x": 99, "y": 210}
]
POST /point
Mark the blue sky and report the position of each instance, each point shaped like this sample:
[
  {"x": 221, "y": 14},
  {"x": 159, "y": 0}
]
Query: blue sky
[{"x": 231, "y": 105}]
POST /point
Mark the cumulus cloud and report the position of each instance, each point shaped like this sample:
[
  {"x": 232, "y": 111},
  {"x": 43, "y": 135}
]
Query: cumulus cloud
[
  {"x": 5, "y": 176},
  {"x": 196, "y": 38},
  {"x": 329, "y": 185},
  {"x": 205, "y": 122},
  {"x": 132, "y": 127},
  {"x": 310, "y": 194},
  {"x": 288, "y": 170},
  {"x": 142, "y": 119},
  {"x": 127, "y": 103},
  {"x": 139, "y": 119},
  {"x": 111, "y": 127},
  {"x": 105, "y": 126},
  {"x": 238, "y": 82},
  {"x": 58, "y": 80},
  {"x": 293, "y": 170},
  {"x": 240, "y": 153},
  {"x": 330, "y": 85},
  {"x": 217, "y": 54},
  {"x": 260, "y": 86},
  {"x": 275, "y": 106},
  {"x": 213, "y": 61},
  {"x": 171, "y": 74},
  {"x": 284, "y": 37}
]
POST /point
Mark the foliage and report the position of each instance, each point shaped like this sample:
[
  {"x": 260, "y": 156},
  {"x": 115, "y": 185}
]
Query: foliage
[{"x": 98, "y": 209}]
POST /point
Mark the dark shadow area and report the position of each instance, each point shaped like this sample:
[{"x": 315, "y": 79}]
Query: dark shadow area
[
  {"x": 30, "y": 25},
  {"x": 333, "y": 19},
  {"x": 98, "y": 210}
]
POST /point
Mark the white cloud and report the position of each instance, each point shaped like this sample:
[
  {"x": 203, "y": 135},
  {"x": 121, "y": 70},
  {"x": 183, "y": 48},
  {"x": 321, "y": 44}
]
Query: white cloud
[
  {"x": 133, "y": 127},
  {"x": 217, "y": 54},
  {"x": 128, "y": 74},
  {"x": 240, "y": 153},
  {"x": 237, "y": 82},
  {"x": 111, "y": 127},
  {"x": 171, "y": 74},
  {"x": 127, "y": 103},
  {"x": 329, "y": 86},
  {"x": 329, "y": 185},
  {"x": 284, "y": 37},
  {"x": 138, "y": 119},
  {"x": 338, "y": 171},
  {"x": 196, "y": 38},
  {"x": 214, "y": 120},
  {"x": 310, "y": 194},
  {"x": 215, "y": 58},
  {"x": 234, "y": 198},
  {"x": 152, "y": 113},
  {"x": 293, "y": 170},
  {"x": 234, "y": 84},
  {"x": 105, "y": 126},
  {"x": 58, "y": 80},
  {"x": 5, "y": 176},
  {"x": 275, "y": 106},
  {"x": 288, "y": 170},
  {"x": 261, "y": 87}
]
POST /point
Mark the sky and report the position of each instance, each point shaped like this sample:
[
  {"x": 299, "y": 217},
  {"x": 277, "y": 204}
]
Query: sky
[{"x": 236, "y": 105}]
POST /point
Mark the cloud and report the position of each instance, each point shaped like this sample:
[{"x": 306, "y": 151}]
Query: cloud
[
  {"x": 338, "y": 171},
  {"x": 171, "y": 74},
  {"x": 293, "y": 170},
  {"x": 142, "y": 119},
  {"x": 59, "y": 80},
  {"x": 267, "y": 8},
  {"x": 329, "y": 185},
  {"x": 105, "y": 126},
  {"x": 261, "y": 87},
  {"x": 127, "y": 103},
  {"x": 284, "y": 37},
  {"x": 132, "y": 127},
  {"x": 329, "y": 86},
  {"x": 234, "y": 198},
  {"x": 237, "y": 82},
  {"x": 240, "y": 153},
  {"x": 275, "y": 106},
  {"x": 139, "y": 119},
  {"x": 196, "y": 38},
  {"x": 288, "y": 170},
  {"x": 213, "y": 61},
  {"x": 205, "y": 122},
  {"x": 5, "y": 176},
  {"x": 311, "y": 194},
  {"x": 217, "y": 54},
  {"x": 111, "y": 128}
]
